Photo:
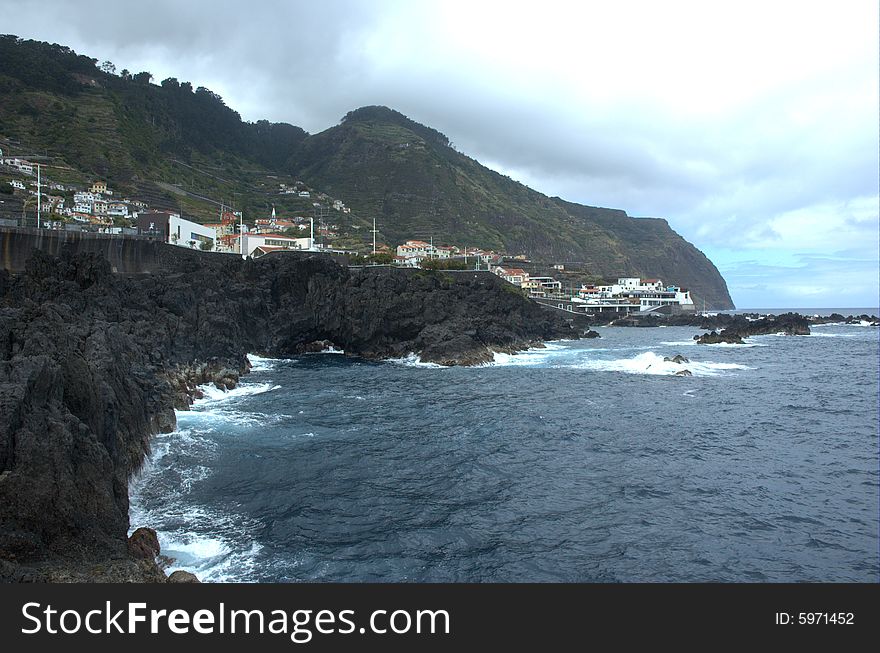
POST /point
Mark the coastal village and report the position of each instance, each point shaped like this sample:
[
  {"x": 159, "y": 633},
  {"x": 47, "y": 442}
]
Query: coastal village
[{"x": 97, "y": 208}]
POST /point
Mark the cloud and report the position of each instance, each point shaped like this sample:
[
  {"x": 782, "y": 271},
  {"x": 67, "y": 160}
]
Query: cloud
[
  {"x": 842, "y": 280},
  {"x": 750, "y": 126}
]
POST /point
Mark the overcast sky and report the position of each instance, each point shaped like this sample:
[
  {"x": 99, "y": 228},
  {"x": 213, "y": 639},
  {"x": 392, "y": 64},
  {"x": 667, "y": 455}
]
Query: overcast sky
[{"x": 751, "y": 126}]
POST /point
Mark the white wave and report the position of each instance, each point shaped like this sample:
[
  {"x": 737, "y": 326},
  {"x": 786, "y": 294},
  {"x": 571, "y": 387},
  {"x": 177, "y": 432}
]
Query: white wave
[
  {"x": 413, "y": 360},
  {"x": 651, "y": 363},
  {"x": 687, "y": 343},
  {"x": 860, "y": 324},
  {"x": 193, "y": 475},
  {"x": 213, "y": 394},
  {"x": 835, "y": 335},
  {"x": 530, "y": 357},
  {"x": 217, "y": 418},
  {"x": 260, "y": 364},
  {"x": 211, "y": 559},
  {"x": 330, "y": 350}
]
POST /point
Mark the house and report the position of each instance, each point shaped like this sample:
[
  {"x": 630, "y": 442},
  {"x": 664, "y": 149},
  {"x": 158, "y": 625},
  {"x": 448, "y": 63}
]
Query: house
[
  {"x": 305, "y": 193},
  {"x": 338, "y": 205},
  {"x": 15, "y": 183},
  {"x": 250, "y": 242},
  {"x": 445, "y": 252},
  {"x": 100, "y": 188},
  {"x": 24, "y": 167},
  {"x": 408, "y": 261},
  {"x": 119, "y": 209},
  {"x": 85, "y": 197},
  {"x": 262, "y": 250},
  {"x": 542, "y": 286},
  {"x": 413, "y": 248},
  {"x": 516, "y": 276}
]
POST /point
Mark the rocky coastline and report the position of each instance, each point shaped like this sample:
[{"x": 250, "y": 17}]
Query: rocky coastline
[
  {"x": 725, "y": 328},
  {"x": 94, "y": 363}
]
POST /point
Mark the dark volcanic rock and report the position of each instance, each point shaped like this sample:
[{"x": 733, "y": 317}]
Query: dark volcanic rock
[
  {"x": 181, "y": 576},
  {"x": 739, "y": 327},
  {"x": 716, "y": 338},
  {"x": 678, "y": 358},
  {"x": 144, "y": 543},
  {"x": 92, "y": 364}
]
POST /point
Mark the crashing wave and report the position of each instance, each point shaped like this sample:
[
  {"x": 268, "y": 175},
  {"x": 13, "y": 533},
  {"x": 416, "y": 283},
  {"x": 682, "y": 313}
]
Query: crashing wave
[{"x": 651, "y": 363}]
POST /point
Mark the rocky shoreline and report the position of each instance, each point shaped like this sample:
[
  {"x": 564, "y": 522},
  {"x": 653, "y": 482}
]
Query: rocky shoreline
[
  {"x": 725, "y": 328},
  {"x": 93, "y": 364}
]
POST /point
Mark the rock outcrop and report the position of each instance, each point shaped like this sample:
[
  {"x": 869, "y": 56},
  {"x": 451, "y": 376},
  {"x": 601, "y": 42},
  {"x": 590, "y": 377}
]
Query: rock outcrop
[
  {"x": 92, "y": 364},
  {"x": 738, "y": 327}
]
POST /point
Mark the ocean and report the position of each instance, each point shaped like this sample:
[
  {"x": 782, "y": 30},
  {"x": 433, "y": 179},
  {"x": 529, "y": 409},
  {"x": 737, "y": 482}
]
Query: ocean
[{"x": 586, "y": 461}]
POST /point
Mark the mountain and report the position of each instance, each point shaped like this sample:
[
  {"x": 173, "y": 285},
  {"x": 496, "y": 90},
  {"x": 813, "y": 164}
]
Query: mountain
[
  {"x": 407, "y": 175},
  {"x": 179, "y": 146}
]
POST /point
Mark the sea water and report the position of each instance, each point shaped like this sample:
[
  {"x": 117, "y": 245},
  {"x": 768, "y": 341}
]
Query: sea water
[{"x": 584, "y": 461}]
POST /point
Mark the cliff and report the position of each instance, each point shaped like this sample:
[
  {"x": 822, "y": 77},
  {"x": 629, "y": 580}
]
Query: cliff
[
  {"x": 409, "y": 176},
  {"x": 93, "y": 363}
]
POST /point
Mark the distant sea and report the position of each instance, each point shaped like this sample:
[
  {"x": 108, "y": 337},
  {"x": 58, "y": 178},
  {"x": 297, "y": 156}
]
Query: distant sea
[
  {"x": 810, "y": 311},
  {"x": 585, "y": 461}
]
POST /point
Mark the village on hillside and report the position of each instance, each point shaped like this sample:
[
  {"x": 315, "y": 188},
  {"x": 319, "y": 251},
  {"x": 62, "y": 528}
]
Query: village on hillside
[{"x": 97, "y": 209}]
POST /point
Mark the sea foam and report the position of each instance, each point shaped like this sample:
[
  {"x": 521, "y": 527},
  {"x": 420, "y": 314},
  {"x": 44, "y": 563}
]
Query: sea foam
[
  {"x": 651, "y": 363},
  {"x": 213, "y": 394}
]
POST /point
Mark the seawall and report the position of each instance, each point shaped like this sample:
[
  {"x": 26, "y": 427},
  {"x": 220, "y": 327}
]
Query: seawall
[{"x": 126, "y": 254}]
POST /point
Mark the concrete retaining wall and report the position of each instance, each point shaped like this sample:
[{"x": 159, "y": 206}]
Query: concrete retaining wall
[{"x": 126, "y": 254}]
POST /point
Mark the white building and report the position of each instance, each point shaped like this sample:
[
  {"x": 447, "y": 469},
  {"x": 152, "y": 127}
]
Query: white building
[
  {"x": 415, "y": 248},
  {"x": 542, "y": 286},
  {"x": 185, "y": 233},
  {"x": 24, "y": 167},
  {"x": 642, "y": 294},
  {"x": 119, "y": 209},
  {"x": 85, "y": 197},
  {"x": 15, "y": 183},
  {"x": 516, "y": 276},
  {"x": 250, "y": 242}
]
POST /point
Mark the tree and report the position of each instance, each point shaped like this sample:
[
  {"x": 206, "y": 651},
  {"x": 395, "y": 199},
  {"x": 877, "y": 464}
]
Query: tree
[
  {"x": 143, "y": 77},
  {"x": 108, "y": 67},
  {"x": 443, "y": 264}
]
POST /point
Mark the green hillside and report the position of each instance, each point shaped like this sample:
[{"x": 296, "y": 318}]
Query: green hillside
[{"x": 179, "y": 147}]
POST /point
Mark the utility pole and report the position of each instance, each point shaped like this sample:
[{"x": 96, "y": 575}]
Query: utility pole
[
  {"x": 312, "y": 238},
  {"x": 39, "y": 205},
  {"x": 241, "y": 233},
  {"x": 374, "y": 235}
]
